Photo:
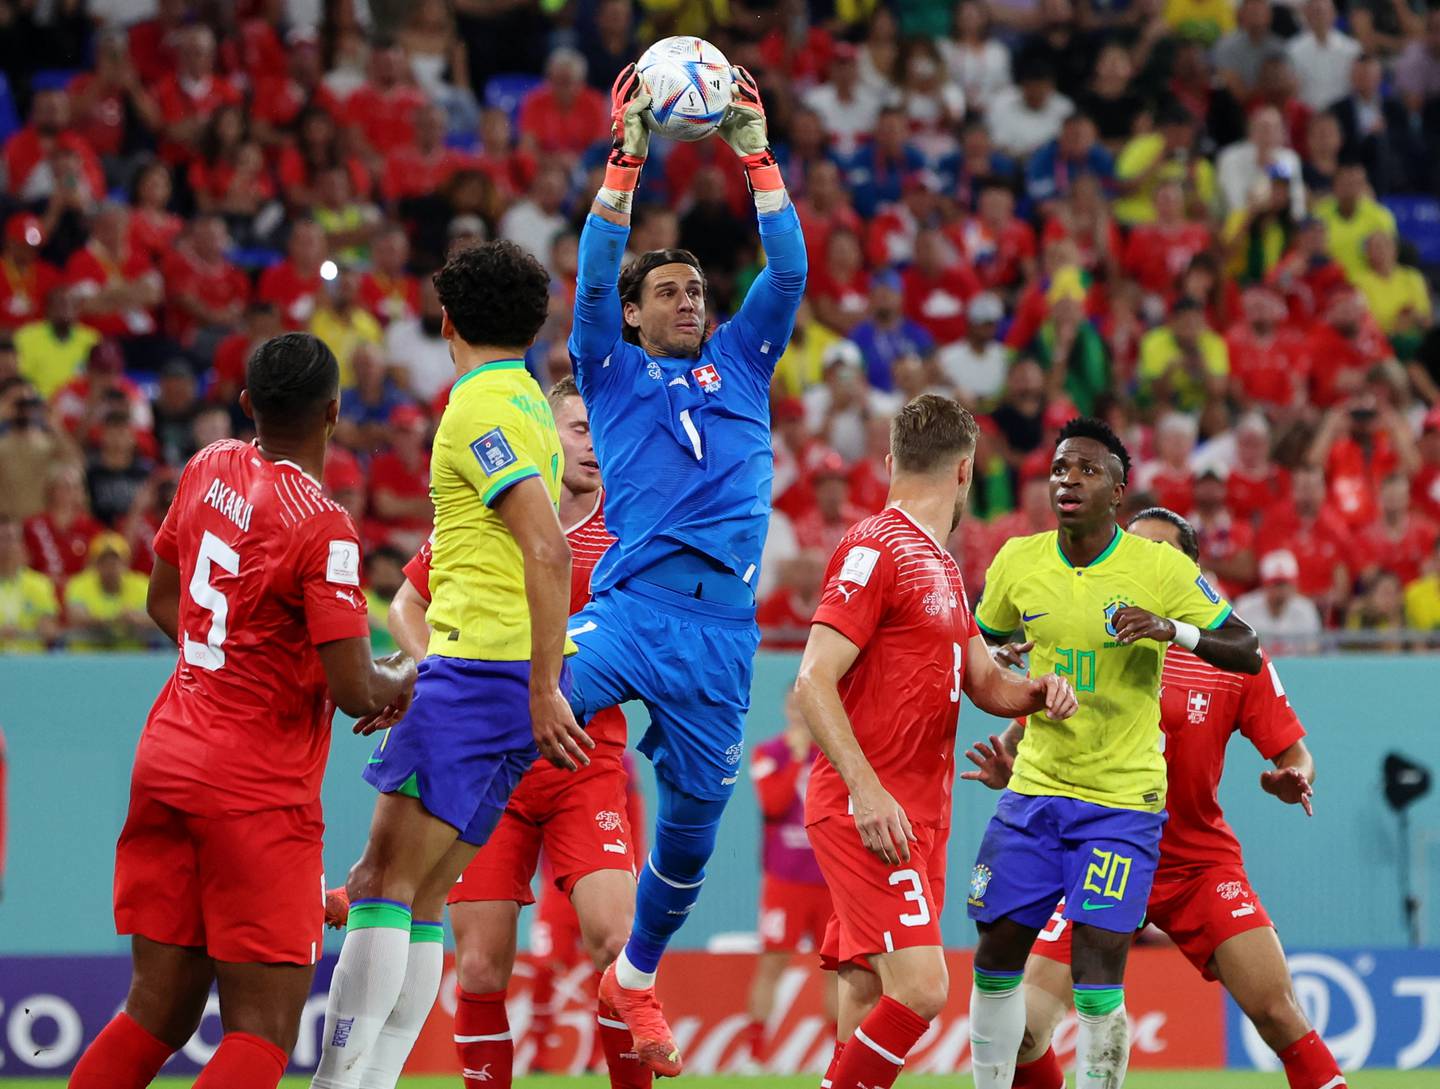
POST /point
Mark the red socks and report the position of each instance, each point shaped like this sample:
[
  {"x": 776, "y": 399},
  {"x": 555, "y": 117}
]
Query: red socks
[
  {"x": 1043, "y": 1073},
  {"x": 243, "y": 1061},
  {"x": 626, "y": 1069},
  {"x": 875, "y": 1054},
  {"x": 755, "y": 1042},
  {"x": 829, "y": 1079},
  {"x": 482, "y": 1039},
  {"x": 123, "y": 1056},
  {"x": 1309, "y": 1064}
]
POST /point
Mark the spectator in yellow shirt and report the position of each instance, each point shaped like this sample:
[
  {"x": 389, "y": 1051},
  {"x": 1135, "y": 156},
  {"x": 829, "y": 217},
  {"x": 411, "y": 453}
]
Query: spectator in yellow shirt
[
  {"x": 1351, "y": 216},
  {"x": 28, "y": 609},
  {"x": 54, "y": 350},
  {"x": 1399, "y": 300},
  {"x": 1422, "y": 597},
  {"x": 802, "y": 367},
  {"x": 1202, "y": 21},
  {"x": 1150, "y": 160},
  {"x": 105, "y": 603},
  {"x": 343, "y": 324},
  {"x": 1183, "y": 363}
]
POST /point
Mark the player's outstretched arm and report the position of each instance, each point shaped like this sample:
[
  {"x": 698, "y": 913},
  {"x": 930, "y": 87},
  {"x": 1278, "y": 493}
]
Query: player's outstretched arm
[
  {"x": 767, "y": 316},
  {"x": 881, "y": 821},
  {"x": 528, "y": 514},
  {"x": 995, "y": 762},
  {"x": 374, "y": 690},
  {"x": 406, "y": 620},
  {"x": 1293, "y": 779},
  {"x": 1006, "y": 694},
  {"x": 162, "y": 600},
  {"x": 1233, "y": 646}
]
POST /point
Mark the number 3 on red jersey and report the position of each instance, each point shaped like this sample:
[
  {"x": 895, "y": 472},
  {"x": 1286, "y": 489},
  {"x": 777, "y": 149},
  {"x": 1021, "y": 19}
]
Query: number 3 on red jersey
[{"x": 213, "y": 553}]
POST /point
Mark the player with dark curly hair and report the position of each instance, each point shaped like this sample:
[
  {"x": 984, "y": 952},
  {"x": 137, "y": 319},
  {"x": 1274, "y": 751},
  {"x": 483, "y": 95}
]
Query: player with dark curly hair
[
  {"x": 1085, "y": 807},
  {"x": 492, "y": 692}
]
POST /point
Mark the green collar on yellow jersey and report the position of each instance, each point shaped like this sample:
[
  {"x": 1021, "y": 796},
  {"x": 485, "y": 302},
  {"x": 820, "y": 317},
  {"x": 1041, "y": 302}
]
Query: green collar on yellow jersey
[
  {"x": 1111, "y": 547},
  {"x": 493, "y": 365}
]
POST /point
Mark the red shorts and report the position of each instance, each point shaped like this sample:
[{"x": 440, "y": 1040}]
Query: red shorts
[
  {"x": 248, "y": 887},
  {"x": 793, "y": 915},
  {"x": 1199, "y": 910},
  {"x": 878, "y": 908},
  {"x": 578, "y": 817}
]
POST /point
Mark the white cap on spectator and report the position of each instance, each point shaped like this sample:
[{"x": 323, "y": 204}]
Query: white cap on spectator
[
  {"x": 1279, "y": 566},
  {"x": 842, "y": 351},
  {"x": 467, "y": 225},
  {"x": 985, "y": 308}
]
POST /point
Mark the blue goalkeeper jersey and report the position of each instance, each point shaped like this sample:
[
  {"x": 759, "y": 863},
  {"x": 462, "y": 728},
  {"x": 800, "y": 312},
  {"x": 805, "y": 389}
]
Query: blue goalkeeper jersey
[{"x": 684, "y": 444}]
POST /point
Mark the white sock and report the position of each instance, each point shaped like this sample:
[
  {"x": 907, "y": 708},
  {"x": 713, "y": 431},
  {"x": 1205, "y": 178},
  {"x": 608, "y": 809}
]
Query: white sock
[
  {"x": 630, "y": 977},
  {"x": 997, "y": 1027},
  {"x": 423, "y": 971},
  {"x": 363, "y": 991},
  {"x": 1102, "y": 1050}
]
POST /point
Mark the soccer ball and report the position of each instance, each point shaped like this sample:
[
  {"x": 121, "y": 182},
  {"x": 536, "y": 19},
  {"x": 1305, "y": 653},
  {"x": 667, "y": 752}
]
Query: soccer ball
[{"x": 690, "y": 85}]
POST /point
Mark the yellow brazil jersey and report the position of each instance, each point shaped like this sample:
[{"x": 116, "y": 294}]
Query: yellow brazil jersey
[
  {"x": 496, "y": 431},
  {"x": 26, "y": 601},
  {"x": 1110, "y": 751}
]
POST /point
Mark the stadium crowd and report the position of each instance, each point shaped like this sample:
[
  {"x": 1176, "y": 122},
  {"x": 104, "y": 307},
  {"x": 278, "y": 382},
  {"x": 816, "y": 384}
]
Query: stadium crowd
[{"x": 1176, "y": 214}]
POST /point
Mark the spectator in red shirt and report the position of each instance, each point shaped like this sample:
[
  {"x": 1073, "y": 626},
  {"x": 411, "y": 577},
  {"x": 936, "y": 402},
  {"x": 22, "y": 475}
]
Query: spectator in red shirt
[
  {"x": 25, "y": 280},
  {"x": 1269, "y": 364},
  {"x": 825, "y": 207},
  {"x": 82, "y": 404},
  {"x": 110, "y": 105},
  {"x": 280, "y": 100},
  {"x": 1158, "y": 253},
  {"x": 784, "y": 616},
  {"x": 797, "y": 452},
  {"x": 563, "y": 116},
  {"x": 1000, "y": 247},
  {"x": 840, "y": 288},
  {"x": 1307, "y": 276},
  {"x": 58, "y": 541},
  {"x": 382, "y": 109},
  {"x": 1359, "y": 444},
  {"x": 1399, "y": 540},
  {"x": 206, "y": 294},
  {"x": 190, "y": 94},
  {"x": 29, "y": 153},
  {"x": 400, "y": 510},
  {"x": 1227, "y": 544},
  {"x": 153, "y": 227},
  {"x": 318, "y": 149},
  {"x": 890, "y": 237},
  {"x": 1425, "y": 485},
  {"x": 294, "y": 284},
  {"x": 1343, "y": 349},
  {"x": 425, "y": 165},
  {"x": 1168, "y": 477},
  {"x": 387, "y": 290},
  {"x": 155, "y": 43},
  {"x": 1311, "y": 528},
  {"x": 691, "y": 157},
  {"x": 821, "y": 525},
  {"x": 262, "y": 321},
  {"x": 870, "y": 476},
  {"x": 116, "y": 287},
  {"x": 499, "y": 156},
  {"x": 938, "y": 286},
  {"x": 1256, "y": 484},
  {"x": 1083, "y": 218}
]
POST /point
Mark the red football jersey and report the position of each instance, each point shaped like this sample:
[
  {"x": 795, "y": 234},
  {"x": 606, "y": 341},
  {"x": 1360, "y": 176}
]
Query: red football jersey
[
  {"x": 1200, "y": 707},
  {"x": 893, "y": 591},
  {"x": 269, "y": 570}
]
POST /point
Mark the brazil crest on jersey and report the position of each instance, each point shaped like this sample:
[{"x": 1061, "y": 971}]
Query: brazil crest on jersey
[{"x": 1111, "y": 751}]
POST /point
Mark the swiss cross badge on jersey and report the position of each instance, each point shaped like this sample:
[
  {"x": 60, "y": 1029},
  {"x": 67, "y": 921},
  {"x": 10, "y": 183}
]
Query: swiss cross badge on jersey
[
  {"x": 1197, "y": 706},
  {"x": 707, "y": 377}
]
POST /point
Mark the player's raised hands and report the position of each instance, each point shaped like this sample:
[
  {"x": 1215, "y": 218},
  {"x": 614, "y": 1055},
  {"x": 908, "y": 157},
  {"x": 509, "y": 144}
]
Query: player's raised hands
[
  {"x": 1133, "y": 623},
  {"x": 1290, "y": 786},
  {"x": 560, "y": 739},
  {"x": 1059, "y": 697},
  {"x": 1012, "y": 655},
  {"x": 743, "y": 126},
  {"x": 883, "y": 826},
  {"x": 629, "y": 99},
  {"x": 993, "y": 762}
]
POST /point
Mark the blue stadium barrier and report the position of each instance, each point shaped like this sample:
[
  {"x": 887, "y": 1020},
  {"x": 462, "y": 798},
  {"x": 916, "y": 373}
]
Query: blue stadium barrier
[
  {"x": 506, "y": 90},
  {"x": 9, "y": 116},
  {"x": 53, "y": 79},
  {"x": 1417, "y": 218}
]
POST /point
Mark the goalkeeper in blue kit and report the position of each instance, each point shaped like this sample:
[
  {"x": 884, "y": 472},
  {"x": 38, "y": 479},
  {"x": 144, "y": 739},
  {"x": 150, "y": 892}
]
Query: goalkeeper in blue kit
[{"x": 681, "y": 422}]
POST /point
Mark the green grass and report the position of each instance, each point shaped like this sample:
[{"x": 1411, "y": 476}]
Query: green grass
[{"x": 1200, "y": 1079}]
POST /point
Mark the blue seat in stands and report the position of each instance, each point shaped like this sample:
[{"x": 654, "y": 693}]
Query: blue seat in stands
[
  {"x": 1417, "y": 219},
  {"x": 9, "y": 116},
  {"x": 506, "y": 90},
  {"x": 53, "y": 79}
]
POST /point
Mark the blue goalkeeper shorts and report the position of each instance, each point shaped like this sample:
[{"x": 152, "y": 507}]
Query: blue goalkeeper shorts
[{"x": 690, "y": 663}]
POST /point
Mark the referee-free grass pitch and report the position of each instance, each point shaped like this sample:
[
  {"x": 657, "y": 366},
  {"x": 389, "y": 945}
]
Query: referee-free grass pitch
[{"x": 1198, "y": 1079}]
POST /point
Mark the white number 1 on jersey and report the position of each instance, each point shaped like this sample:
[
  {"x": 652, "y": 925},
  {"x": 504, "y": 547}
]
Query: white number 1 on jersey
[{"x": 213, "y": 553}]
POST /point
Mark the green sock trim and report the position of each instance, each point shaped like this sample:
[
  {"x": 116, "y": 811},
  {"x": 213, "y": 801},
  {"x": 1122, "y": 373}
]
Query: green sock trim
[
  {"x": 997, "y": 982},
  {"x": 427, "y": 932},
  {"x": 368, "y": 914},
  {"x": 1098, "y": 1001}
]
